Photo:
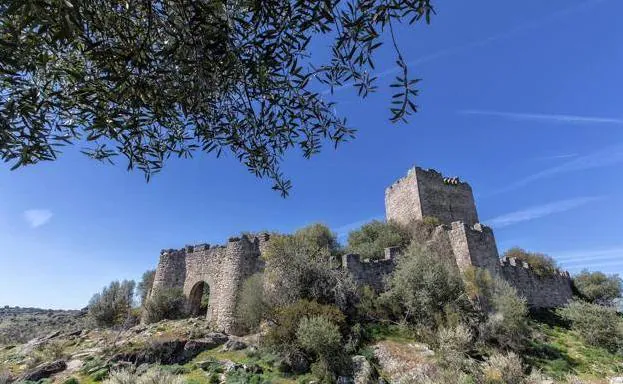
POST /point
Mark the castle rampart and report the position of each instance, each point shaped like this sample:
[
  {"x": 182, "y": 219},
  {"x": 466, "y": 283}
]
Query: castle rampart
[
  {"x": 371, "y": 272},
  {"x": 425, "y": 193},
  {"x": 422, "y": 193},
  {"x": 223, "y": 268},
  {"x": 545, "y": 291}
]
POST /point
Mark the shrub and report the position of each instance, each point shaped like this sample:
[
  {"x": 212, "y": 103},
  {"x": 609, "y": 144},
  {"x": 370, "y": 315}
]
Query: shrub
[
  {"x": 283, "y": 336},
  {"x": 112, "y": 306},
  {"x": 502, "y": 369},
  {"x": 542, "y": 264},
  {"x": 372, "y": 238},
  {"x": 167, "y": 303},
  {"x": 152, "y": 376},
  {"x": 71, "y": 380},
  {"x": 252, "y": 306},
  {"x": 5, "y": 378},
  {"x": 424, "y": 286},
  {"x": 299, "y": 267},
  {"x": 421, "y": 231},
  {"x": 597, "y": 287},
  {"x": 597, "y": 325},
  {"x": 144, "y": 286},
  {"x": 507, "y": 323},
  {"x": 318, "y": 238},
  {"x": 453, "y": 346},
  {"x": 318, "y": 335}
]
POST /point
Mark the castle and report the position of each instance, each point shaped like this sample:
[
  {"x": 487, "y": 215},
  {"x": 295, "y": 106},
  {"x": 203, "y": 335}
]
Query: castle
[{"x": 422, "y": 193}]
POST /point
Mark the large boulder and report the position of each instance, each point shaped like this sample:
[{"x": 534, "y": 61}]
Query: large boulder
[
  {"x": 210, "y": 341},
  {"x": 363, "y": 372},
  {"x": 405, "y": 362},
  {"x": 44, "y": 371}
]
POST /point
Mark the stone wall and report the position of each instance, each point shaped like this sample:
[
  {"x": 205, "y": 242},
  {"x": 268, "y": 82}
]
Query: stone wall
[
  {"x": 539, "y": 291},
  {"x": 223, "y": 268},
  {"x": 371, "y": 272},
  {"x": 425, "y": 193},
  {"x": 474, "y": 246}
]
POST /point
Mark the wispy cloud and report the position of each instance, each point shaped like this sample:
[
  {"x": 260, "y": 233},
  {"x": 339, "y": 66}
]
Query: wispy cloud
[
  {"x": 343, "y": 231},
  {"x": 539, "y": 211},
  {"x": 554, "y": 118},
  {"x": 592, "y": 259},
  {"x": 557, "y": 157},
  {"x": 37, "y": 217},
  {"x": 603, "y": 158},
  {"x": 450, "y": 51}
]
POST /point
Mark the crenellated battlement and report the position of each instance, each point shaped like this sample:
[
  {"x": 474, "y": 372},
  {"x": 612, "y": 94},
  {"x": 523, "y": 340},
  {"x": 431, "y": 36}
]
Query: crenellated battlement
[
  {"x": 371, "y": 272},
  {"x": 510, "y": 262}
]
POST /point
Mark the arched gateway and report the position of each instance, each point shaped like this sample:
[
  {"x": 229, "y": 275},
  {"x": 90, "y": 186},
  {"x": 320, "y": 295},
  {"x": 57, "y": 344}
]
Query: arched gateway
[{"x": 222, "y": 268}]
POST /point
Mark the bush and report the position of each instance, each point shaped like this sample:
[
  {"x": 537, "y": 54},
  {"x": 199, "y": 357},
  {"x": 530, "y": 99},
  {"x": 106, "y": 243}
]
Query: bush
[
  {"x": 283, "y": 336},
  {"x": 597, "y": 287},
  {"x": 421, "y": 231},
  {"x": 318, "y": 335},
  {"x": 597, "y": 325},
  {"x": 542, "y": 264},
  {"x": 453, "y": 346},
  {"x": 372, "y": 238},
  {"x": 425, "y": 287},
  {"x": 300, "y": 267},
  {"x": 5, "y": 378},
  {"x": 112, "y": 306},
  {"x": 507, "y": 323},
  {"x": 252, "y": 306},
  {"x": 167, "y": 303},
  {"x": 502, "y": 369},
  {"x": 152, "y": 376}
]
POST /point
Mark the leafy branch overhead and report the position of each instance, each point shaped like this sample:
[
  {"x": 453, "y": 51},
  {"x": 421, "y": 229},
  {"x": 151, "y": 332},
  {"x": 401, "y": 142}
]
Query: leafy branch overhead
[{"x": 148, "y": 79}]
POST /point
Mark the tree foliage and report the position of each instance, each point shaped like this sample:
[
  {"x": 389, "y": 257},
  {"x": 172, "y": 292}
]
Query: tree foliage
[
  {"x": 302, "y": 266},
  {"x": 169, "y": 303},
  {"x": 112, "y": 305},
  {"x": 597, "y": 287},
  {"x": 541, "y": 263},
  {"x": 424, "y": 287},
  {"x": 151, "y": 79},
  {"x": 597, "y": 325},
  {"x": 144, "y": 286},
  {"x": 372, "y": 238}
]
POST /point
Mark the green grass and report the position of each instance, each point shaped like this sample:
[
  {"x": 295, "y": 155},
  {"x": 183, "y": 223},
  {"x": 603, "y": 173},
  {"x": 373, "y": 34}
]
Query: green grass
[{"x": 559, "y": 352}]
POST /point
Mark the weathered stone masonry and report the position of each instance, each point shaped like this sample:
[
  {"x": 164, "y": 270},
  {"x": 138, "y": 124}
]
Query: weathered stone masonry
[
  {"x": 223, "y": 268},
  {"x": 427, "y": 193},
  {"x": 422, "y": 193}
]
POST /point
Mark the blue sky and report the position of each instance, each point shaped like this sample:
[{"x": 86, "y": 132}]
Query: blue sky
[{"x": 521, "y": 99}]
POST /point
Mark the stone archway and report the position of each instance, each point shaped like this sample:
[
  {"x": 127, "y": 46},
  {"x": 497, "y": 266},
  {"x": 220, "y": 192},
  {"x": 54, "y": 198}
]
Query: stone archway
[{"x": 199, "y": 299}]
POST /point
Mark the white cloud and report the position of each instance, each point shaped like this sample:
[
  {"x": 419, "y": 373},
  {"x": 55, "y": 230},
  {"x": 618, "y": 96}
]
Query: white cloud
[
  {"x": 37, "y": 217},
  {"x": 539, "y": 211},
  {"x": 555, "y": 118}
]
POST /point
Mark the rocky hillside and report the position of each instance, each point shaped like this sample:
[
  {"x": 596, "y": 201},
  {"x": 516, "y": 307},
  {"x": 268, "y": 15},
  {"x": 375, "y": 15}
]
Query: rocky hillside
[
  {"x": 187, "y": 350},
  {"x": 19, "y": 325}
]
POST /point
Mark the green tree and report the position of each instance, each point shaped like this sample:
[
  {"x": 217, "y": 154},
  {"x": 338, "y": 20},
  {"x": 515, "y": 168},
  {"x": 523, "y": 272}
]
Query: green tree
[
  {"x": 424, "y": 287},
  {"x": 372, "y": 238},
  {"x": 597, "y": 287},
  {"x": 541, "y": 263},
  {"x": 597, "y": 325},
  {"x": 144, "y": 286},
  {"x": 151, "y": 79},
  {"x": 112, "y": 305},
  {"x": 301, "y": 266},
  {"x": 167, "y": 303}
]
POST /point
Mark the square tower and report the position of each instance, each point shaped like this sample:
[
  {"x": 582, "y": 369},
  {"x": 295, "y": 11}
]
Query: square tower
[{"x": 425, "y": 193}]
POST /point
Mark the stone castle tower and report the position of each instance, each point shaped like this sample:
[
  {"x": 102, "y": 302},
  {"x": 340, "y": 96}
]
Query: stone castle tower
[
  {"x": 422, "y": 193},
  {"x": 425, "y": 193}
]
